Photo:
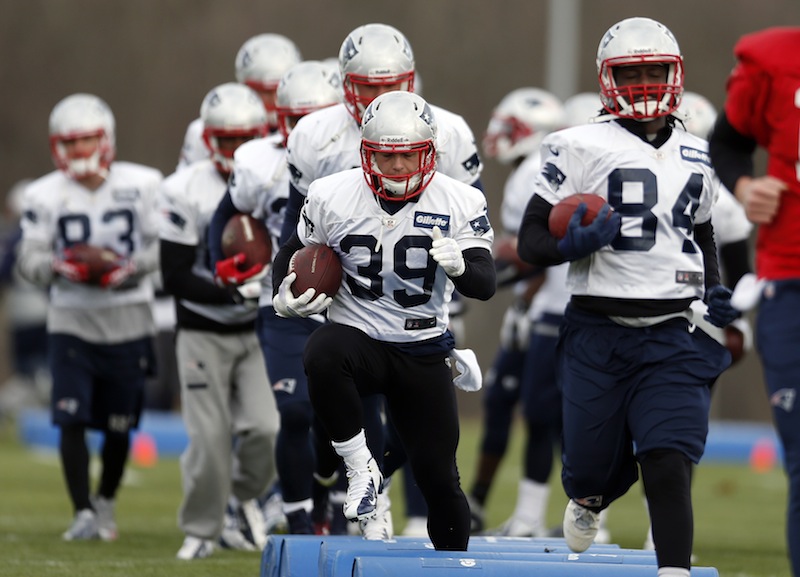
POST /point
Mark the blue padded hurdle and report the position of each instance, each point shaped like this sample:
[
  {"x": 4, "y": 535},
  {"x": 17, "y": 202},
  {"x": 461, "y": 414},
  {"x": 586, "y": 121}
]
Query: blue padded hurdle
[
  {"x": 303, "y": 554},
  {"x": 340, "y": 563},
  {"x": 448, "y": 567},
  {"x": 334, "y": 555}
]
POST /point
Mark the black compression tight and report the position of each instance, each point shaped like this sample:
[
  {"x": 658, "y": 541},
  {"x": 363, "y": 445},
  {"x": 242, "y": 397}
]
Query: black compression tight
[{"x": 667, "y": 477}]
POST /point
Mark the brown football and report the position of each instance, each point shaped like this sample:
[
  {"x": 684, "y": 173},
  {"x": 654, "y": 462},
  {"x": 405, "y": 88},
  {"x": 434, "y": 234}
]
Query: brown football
[
  {"x": 562, "y": 212},
  {"x": 98, "y": 260},
  {"x": 249, "y": 236},
  {"x": 317, "y": 266}
]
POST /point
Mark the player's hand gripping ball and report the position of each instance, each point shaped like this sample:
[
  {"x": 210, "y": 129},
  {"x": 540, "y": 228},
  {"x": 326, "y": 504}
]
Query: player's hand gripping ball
[
  {"x": 93, "y": 261},
  {"x": 246, "y": 235},
  {"x": 562, "y": 212},
  {"x": 317, "y": 266}
]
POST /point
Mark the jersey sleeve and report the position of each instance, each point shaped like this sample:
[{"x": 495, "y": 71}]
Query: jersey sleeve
[
  {"x": 300, "y": 157},
  {"x": 457, "y": 152},
  {"x": 561, "y": 169},
  {"x": 178, "y": 216}
]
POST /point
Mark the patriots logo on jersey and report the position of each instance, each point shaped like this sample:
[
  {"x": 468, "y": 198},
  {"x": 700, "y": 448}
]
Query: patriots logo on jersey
[
  {"x": 296, "y": 175},
  {"x": 553, "y": 175},
  {"x": 480, "y": 225},
  {"x": 309, "y": 224},
  {"x": 694, "y": 155},
  {"x": 429, "y": 220},
  {"x": 472, "y": 164},
  {"x": 176, "y": 219}
]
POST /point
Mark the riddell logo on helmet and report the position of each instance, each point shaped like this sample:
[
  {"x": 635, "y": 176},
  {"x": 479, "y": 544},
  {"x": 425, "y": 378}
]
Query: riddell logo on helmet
[{"x": 394, "y": 140}]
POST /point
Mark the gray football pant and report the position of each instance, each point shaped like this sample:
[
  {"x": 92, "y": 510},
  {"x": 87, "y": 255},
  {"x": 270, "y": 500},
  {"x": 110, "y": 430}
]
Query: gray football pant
[{"x": 231, "y": 419}]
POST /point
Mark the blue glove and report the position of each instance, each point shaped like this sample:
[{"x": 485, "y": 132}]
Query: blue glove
[
  {"x": 720, "y": 312},
  {"x": 581, "y": 241}
]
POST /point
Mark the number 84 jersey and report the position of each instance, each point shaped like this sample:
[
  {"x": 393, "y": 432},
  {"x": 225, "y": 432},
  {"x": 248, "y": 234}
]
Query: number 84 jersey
[{"x": 661, "y": 193}]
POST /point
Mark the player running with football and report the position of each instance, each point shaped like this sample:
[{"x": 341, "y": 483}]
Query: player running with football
[
  {"x": 228, "y": 409},
  {"x": 99, "y": 333},
  {"x": 373, "y": 59},
  {"x": 406, "y": 235},
  {"x": 259, "y": 187},
  {"x": 634, "y": 373}
]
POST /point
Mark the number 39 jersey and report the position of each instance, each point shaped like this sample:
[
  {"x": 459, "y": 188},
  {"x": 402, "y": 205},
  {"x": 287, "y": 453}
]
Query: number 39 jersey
[
  {"x": 392, "y": 289},
  {"x": 660, "y": 193}
]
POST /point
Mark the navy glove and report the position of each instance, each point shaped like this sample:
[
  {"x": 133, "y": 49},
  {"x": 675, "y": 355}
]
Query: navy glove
[
  {"x": 581, "y": 241},
  {"x": 720, "y": 312}
]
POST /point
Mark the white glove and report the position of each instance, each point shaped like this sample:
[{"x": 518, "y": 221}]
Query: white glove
[
  {"x": 470, "y": 378},
  {"x": 447, "y": 254},
  {"x": 515, "y": 331},
  {"x": 747, "y": 292},
  {"x": 247, "y": 294},
  {"x": 287, "y": 306}
]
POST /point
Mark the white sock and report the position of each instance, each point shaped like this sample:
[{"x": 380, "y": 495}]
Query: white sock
[
  {"x": 532, "y": 498},
  {"x": 353, "y": 451},
  {"x": 673, "y": 572}
]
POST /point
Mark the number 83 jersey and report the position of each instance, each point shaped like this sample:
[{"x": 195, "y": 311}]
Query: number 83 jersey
[
  {"x": 661, "y": 193},
  {"x": 393, "y": 290}
]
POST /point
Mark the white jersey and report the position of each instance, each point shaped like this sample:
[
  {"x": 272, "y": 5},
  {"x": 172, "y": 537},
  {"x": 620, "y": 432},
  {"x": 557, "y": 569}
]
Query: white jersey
[
  {"x": 189, "y": 198},
  {"x": 661, "y": 193},
  {"x": 194, "y": 148},
  {"x": 392, "y": 289},
  {"x": 121, "y": 215},
  {"x": 517, "y": 191},
  {"x": 259, "y": 186},
  {"x": 552, "y": 296},
  {"x": 327, "y": 141}
]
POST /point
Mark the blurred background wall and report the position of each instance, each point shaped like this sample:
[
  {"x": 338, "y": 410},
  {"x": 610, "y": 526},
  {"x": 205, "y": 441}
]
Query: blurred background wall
[{"x": 154, "y": 60}]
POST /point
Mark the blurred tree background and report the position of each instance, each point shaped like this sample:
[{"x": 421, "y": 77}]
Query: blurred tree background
[{"x": 154, "y": 60}]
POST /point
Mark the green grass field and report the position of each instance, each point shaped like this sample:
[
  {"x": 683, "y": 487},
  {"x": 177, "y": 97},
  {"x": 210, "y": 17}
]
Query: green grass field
[{"x": 739, "y": 518}]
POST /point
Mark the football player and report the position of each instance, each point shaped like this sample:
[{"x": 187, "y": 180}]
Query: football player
[
  {"x": 516, "y": 128},
  {"x": 634, "y": 374},
  {"x": 407, "y": 235},
  {"x": 260, "y": 63},
  {"x": 259, "y": 187},
  {"x": 100, "y": 334},
  {"x": 224, "y": 387},
  {"x": 761, "y": 109},
  {"x": 373, "y": 59}
]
